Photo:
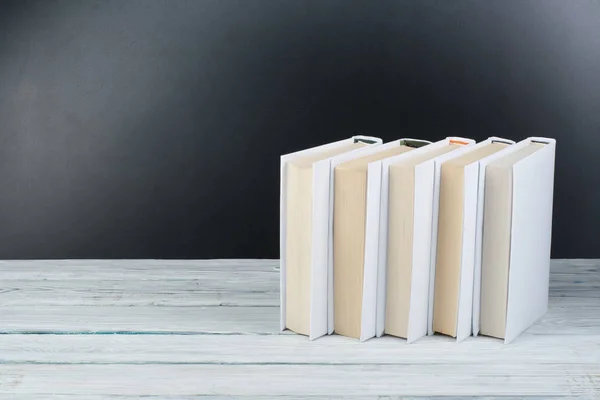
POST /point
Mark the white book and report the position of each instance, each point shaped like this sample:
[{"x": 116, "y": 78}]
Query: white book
[
  {"x": 404, "y": 241},
  {"x": 355, "y": 199},
  {"x": 453, "y": 256},
  {"x": 514, "y": 252},
  {"x": 374, "y": 273},
  {"x": 309, "y": 262}
]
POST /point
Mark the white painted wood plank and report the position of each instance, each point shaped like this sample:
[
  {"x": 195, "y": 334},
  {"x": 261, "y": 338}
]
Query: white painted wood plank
[
  {"x": 187, "y": 283},
  {"x": 131, "y": 269},
  {"x": 567, "y": 264},
  {"x": 228, "y": 320},
  {"x": 143, "y": 263},
  {"x": 575, "y": 281},
  {"x": 191, "y": 292},
  {"x": 558, "y": 265},
  {"x": 286, "y": 397},
  {"x": 323, "y": 380},
  {"x": 567, "y": 315},
  {"x": 180, "y": 269},
  {"x": 251, "y": 290},
  {"x": 295, "y": 349},
  {"x": 558, "y": 355}
]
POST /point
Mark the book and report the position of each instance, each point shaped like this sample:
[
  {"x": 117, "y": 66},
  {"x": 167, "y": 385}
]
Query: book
[
  {"x": 406, "y": 257},
  {"x": 454, "y": 264},
  {"x": 373, "y": 226},
  {"x": 349, "y": 239},
  {"x": 515, "y": 250},
  {"x": 304, "y": 234}
]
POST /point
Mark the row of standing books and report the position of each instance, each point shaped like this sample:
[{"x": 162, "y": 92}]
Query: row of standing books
[{"x": 412, "y": 238}]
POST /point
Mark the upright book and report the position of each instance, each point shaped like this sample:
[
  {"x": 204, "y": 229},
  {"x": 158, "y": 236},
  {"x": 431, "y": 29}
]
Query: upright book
[
  {"x": 515, "y": 248},
  {"x": 304, "y": 233},
  {"x": 404, "y": 240},
  {"x": 356, "y": 189},
  {"x": 456, "y": 230}
]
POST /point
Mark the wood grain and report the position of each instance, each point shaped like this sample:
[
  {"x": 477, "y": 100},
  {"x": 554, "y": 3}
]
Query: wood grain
[
  {"x": 153, "y": 329},
  {"x": 286, "y": 397},
  {"x": 293, "y": 397},
  {"x": 566, "y": 316},
  {"x": 199, "y": 291},
  {"x": 294, "y": 349},
  {"x": 139, "y": 269},
  {"x": 105, "y": 319},
  {"x": 321, "y": 380}
]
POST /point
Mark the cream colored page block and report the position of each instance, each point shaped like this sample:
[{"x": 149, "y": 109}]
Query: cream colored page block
[
  {"x": 299, "y": 248},
  {"x": 348, "y": 243},
  {"x": 309, "y": 160},
  {"x": 496, "y": 242},
  {"x": 349, "y": 219},
  {"x": 299, "y": 237},
  {"x": 400, "y": 240},
  {"x": 449, "y": 244},
  {"x": 445, "y": 306}
]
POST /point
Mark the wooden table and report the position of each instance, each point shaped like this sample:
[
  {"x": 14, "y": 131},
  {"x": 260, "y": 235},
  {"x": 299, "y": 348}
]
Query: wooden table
[{"x": 210, "y": 330}]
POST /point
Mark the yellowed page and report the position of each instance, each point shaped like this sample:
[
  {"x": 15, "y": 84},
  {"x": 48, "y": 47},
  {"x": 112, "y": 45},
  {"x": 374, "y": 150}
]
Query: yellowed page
[
  {"x": 299, "y": 193},
  {"x": 400, "y": 240},
  {"x": 349, "y": 218},
  {"x": 449, "y": 243}
]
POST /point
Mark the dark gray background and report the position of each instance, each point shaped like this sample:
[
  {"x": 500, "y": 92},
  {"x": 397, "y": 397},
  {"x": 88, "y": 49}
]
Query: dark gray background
[{"x": 153, "y": 129}]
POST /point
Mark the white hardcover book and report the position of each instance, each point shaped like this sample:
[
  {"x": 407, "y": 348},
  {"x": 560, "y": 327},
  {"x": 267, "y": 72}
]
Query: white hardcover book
[
  {"x": 454, "y": 312},
  {"x": 320, "y": 219},
  {"x": 373, "y": 275},
  {"x": 479, "y": 228},
  {"x": 471, "y": 238},
  {"x": 420, "y": 164},
  {"x": 357, "y": 165},
  {"x": 520, "y": 244}
]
